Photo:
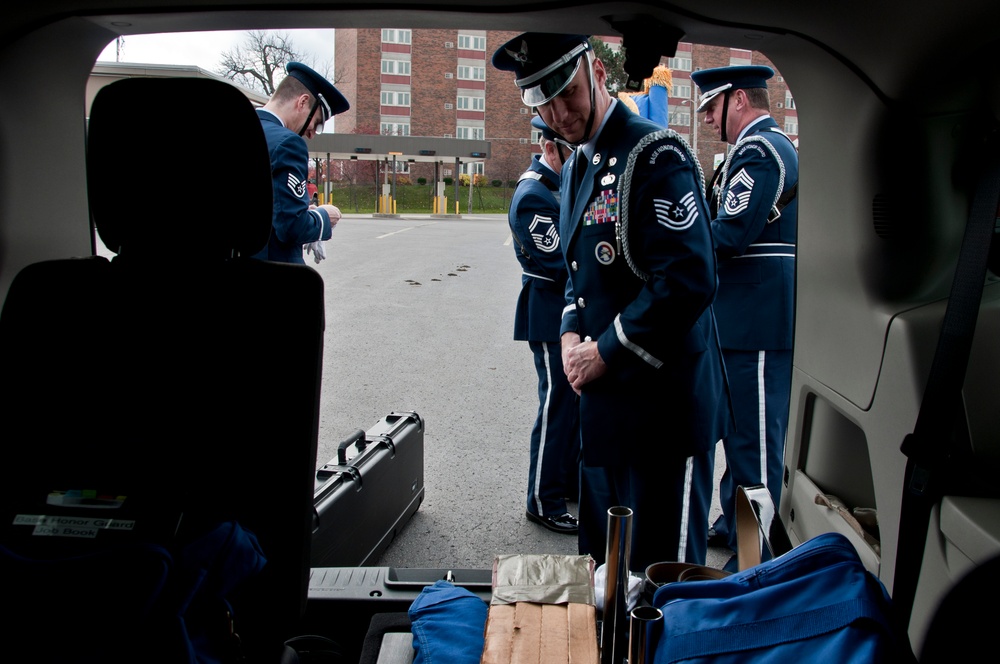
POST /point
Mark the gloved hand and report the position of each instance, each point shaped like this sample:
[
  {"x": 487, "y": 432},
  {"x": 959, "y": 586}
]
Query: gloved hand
[{"x": 317, "y": 249}]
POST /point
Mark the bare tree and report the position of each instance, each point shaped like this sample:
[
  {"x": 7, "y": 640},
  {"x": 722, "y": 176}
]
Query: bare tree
[{"x": 258, "y": 63}]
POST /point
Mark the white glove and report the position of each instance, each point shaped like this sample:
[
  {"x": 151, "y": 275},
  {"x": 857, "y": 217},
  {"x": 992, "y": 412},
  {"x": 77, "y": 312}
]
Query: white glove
[
  {"x": 317, "y": 249},
  {"x": 634, "y": 588}
]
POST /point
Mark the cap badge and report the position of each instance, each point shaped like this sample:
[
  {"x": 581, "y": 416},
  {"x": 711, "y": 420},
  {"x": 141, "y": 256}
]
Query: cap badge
[{"x": 519, "y": 56}]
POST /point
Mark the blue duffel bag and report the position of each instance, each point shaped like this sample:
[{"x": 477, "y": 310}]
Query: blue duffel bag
[{"x": 815, "y": 603}]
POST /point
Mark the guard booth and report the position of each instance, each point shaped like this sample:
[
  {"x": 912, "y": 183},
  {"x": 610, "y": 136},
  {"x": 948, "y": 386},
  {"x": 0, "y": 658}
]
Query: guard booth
[{"x": 389, "y": 150}]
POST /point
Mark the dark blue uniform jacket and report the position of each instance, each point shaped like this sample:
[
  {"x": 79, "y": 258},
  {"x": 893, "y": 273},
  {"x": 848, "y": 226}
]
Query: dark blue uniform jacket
[
  {"x": 292, "y": 223},
  {"x": 638, "y": 244},
  {"x": 756, "y": 300},
  {"x": 534, "y": 224}
]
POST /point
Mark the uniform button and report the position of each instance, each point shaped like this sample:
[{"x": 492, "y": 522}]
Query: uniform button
[
  {"x": 582, "y": 303},
  {"x": 573, "y": 266}
]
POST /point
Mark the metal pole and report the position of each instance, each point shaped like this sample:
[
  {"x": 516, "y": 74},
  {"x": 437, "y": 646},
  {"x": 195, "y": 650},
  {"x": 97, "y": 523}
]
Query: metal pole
[
  {"x": 641, "y": 619},
  {"x": 614, "y": 631},
  {"x": 393, "y": 179}
]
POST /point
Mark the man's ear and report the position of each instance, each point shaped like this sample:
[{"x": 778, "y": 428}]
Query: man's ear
[{"x": 303, "y": 101}]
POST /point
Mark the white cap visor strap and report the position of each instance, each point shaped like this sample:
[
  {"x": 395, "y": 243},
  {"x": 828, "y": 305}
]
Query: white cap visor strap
[
  {"x": 543, "y": 85},
  {"x": 712, "y": 94}
]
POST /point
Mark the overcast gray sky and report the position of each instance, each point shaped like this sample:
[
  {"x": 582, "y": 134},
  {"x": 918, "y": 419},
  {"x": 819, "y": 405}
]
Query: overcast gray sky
[{"x": 203, "y": 49}]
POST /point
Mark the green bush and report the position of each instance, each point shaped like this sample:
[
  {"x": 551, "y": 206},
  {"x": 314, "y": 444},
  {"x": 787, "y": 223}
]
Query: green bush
[
  {"x": 497, "y": 183},
  {"x": 421, "y": 181},
  {"x": 449, "y": 181},
  {"x": 419, "y": 199}
]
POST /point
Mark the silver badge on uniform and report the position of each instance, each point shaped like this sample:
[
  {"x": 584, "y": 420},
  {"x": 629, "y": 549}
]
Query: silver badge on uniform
[
  {"x": 297, "y": 186},
  {"x": 605, "y": 253},
  {"x": 612, "y": 161},
  {"x": 607, "y": 179},
  {"x": 544, "y": 233},
  {"x": 676, "y": 216},
  {"x": 597, "y": 159},
  {"x": 738, "y": 192}
]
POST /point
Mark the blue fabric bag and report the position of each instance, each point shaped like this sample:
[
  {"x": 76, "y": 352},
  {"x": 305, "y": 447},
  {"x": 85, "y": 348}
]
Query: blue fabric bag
[
  {"x": 447, "y": 622},
  {"x": 815, "y": 603}
]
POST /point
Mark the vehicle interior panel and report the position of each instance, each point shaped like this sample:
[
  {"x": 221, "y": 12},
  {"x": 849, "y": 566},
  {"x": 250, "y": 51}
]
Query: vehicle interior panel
[{"x": 896, "y": 101}]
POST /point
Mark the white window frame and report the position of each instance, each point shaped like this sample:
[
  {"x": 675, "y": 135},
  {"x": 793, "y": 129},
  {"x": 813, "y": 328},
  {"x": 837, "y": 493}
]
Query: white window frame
[
  {"x": 395, "y": 67},
  {"x": 395, "y": 98},
  {"x": 680, "y": 63},
  {"x": 472, "y": 42},
  {"x": 467, "y": 103},
  {"x": 395, "y": 128},
  {"x": 394, "y": 36},
  {"x": 471, "y": 73}
]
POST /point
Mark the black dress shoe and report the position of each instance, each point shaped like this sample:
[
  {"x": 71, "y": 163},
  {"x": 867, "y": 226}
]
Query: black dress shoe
[{"x": 564, "y": 523}]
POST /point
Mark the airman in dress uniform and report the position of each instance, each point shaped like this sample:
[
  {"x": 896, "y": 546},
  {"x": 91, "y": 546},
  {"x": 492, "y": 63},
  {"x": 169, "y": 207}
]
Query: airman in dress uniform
[
  {"x": 555, "y": 438},
  {"x": 639, "y": 342},
  {"x": 297, "y": 110},
  {"x": 755, "y": 214}
]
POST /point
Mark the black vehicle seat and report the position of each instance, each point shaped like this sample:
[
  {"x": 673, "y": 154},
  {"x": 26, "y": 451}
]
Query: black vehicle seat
[{"x": 180, "y": 374}]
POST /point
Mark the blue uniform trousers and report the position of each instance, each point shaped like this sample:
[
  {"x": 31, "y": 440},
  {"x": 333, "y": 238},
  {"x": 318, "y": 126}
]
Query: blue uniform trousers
[
  {"x": 669, "y": 498},
  {"x": 555, "y": 438},
  {"x": 760, "y": 382}
]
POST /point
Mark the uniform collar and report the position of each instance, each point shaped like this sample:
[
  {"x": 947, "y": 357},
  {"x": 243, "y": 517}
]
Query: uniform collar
[
  {"x": 272, "y": 114},
  {"x": 753, "y": 123},
  {"x": 545, "y": 164}
]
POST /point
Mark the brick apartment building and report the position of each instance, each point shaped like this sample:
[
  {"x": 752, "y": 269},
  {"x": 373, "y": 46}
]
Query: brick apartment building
[{"x": 441, "y": 83}]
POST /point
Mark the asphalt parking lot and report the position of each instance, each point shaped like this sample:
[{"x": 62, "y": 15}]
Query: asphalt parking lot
[{"x": 419, "y": 315}]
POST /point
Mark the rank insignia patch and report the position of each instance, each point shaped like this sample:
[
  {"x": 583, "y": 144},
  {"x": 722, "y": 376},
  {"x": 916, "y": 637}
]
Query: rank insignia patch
[
  {"x": 605, "y": 253},
  {"x": 738, "y": 192},
  {"x": 297, "y": 186},
  {"x": 676, "y": 216},
  {"x": 544, "y": 233},
  {"x": 603, "y": 209}
]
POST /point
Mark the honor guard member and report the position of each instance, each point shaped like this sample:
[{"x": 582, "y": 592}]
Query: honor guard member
[
  {"x": 638, "y": 334},
  {"x": 555, "y": 438},
  {"x": 297, "y": 110},
  {"x": 755, "y": 213}
]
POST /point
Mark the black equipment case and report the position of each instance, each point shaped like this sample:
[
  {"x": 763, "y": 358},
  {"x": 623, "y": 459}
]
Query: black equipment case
[{"x": 365, "y": 496}]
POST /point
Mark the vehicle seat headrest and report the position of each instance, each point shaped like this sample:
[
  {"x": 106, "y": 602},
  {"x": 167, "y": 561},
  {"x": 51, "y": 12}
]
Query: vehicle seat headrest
[{"x": 178, "y": 167}]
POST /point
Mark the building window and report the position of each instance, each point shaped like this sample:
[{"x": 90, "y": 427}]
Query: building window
[
  {"x": 474, "y": 133},
  {"x": 396, "y": 67},
  {"x": 471, "y": 73},
  {"x": 535, "y": 135},
  {"x": 390, "y": 98},
  {"x": 472, "y": 42},
  {"x": 789, "y": 102},
  {"x": 475, "y": 168},
  {"x": 680, "y": 63},
  {"x": 396, "y": 36},
  {"x": 396, "y": 128},
  {"x": 682, "y": 90},
  {"x": 471, "y": 104},
  {"x": 680, "y": 117},
  {"x": 791, "y": 126}
]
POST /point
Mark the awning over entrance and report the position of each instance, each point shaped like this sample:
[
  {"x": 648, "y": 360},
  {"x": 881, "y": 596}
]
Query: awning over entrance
[{"x": 403, "y": 148}]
